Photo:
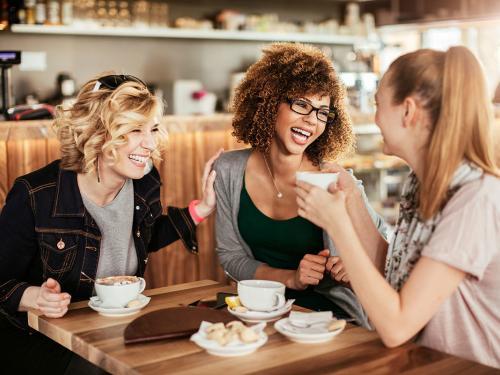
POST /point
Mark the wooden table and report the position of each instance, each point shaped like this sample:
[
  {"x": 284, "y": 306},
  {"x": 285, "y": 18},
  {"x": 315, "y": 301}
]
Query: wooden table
[{"x": 99, "y": 339}]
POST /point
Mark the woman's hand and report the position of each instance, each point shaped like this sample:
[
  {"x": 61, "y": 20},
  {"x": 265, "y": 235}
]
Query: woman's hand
[
  {"x": 47, "y": 298},
  {"x": 345, "y": 180},
  {"x": 311, "y": 270},
  {"x": 326, "y": 209},
  {"x": 335, "y": 267},
  {"x": 207, "y": 203}
]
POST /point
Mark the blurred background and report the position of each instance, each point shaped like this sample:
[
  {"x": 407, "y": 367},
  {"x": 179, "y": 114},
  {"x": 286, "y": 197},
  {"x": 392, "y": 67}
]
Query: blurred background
[{"x": 193, "y": 53}]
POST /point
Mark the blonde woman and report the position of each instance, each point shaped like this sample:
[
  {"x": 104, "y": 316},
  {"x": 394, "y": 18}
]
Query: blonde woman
[
  {"x": 442, "y": 272},
  {"x": 94, "y": 213}
]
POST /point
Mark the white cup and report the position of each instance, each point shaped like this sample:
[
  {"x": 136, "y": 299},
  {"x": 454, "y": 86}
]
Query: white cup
[
  {"x": 321, "y": 179},
  {"x": 117, "y": 291},
  {"x": 261, "y": 295}
]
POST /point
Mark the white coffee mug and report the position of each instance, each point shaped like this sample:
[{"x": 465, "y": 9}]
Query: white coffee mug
[
  {"x": 321, "y": 179},
  {"x": 261, "y": 295},
  {"x": 118, "y": 295}
]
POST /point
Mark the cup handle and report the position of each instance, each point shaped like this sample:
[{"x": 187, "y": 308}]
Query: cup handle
[
  {"x": 143, "y": 285},
  {"x": 281, "y": 300}
]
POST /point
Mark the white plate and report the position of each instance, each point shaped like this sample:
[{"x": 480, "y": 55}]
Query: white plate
[
  {"x": 95, "y": 302},
  {"x": 316, "y": 334},
  {"x": 262, "y": 316},
  {"x": 233, "y": 349}
]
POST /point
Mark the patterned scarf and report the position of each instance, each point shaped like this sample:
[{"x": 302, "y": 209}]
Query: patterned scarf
[{"x": 412, "y": 233}]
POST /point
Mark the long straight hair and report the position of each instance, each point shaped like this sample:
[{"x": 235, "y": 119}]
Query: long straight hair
[{"x": 451, "y": 87}]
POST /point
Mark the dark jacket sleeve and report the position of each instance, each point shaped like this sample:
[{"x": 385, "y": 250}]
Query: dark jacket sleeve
[
  {"x": 169, "y": 228},
  {"x": 18, "y": 246}
]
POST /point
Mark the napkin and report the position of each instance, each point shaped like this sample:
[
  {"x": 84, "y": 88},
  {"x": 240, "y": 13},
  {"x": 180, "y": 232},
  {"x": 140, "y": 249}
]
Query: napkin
[{"x": 310, "y": 318}]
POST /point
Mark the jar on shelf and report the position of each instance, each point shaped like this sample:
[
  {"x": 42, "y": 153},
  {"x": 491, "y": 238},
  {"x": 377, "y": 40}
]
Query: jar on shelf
[
  {"x": 40, "y": 12},
  {"x": 67, "y": 12},
  {"x": 124, "y": 18},
  {"x": 141, "y": 13},
  {"x": 53, "y": 12}
]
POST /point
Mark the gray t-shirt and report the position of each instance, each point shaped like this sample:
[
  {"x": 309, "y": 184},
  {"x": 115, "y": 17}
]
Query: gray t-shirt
[{"x": 117, "y": 254}]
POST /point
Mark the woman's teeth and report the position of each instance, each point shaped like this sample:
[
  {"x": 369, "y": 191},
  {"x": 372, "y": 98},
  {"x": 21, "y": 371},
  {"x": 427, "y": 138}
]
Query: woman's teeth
[
  {"x": 300, "y": 134},
  {"x": 140, "y": 159}
]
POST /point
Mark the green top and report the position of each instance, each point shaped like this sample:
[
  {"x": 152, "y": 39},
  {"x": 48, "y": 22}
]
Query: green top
[{"x": 282, "y": 244}]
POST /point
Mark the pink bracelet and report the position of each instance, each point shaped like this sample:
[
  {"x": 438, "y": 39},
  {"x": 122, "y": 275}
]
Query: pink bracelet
[{"x": 192, "y": 211}]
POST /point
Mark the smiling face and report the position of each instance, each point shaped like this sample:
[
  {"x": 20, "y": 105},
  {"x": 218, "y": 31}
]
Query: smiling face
[
  {"x": 132, "y": 157},
  {"x": 294, "y": 132},
  {"x": 389, "y": 118}
]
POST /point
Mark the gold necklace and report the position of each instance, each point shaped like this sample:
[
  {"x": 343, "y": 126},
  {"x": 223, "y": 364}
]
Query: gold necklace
[{"x": 279, "y": 194}]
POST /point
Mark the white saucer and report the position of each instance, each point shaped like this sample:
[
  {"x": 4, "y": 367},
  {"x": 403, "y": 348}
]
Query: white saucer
[
  {"x": 316, "y": 334},
  {"x": 251, "y": 316},
  {"x": 95, "y": 302},
  {"x": 233, "y": 349}
]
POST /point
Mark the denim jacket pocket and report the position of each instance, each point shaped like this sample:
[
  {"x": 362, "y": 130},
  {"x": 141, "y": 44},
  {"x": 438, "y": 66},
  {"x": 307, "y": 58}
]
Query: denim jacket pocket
[{"x": 58, "y": 252}]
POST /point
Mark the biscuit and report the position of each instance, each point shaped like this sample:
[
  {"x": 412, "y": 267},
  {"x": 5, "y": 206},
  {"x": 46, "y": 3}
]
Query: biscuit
[
  {"x": 337, "y": 324},
  {"x": 248, "y": 335},
  {"x": 134, "y": 303}
]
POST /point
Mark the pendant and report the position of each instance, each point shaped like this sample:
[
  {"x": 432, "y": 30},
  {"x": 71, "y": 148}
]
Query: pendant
[
  {"x": 61, "y": 245},
  {"x": 279, "y": 195}
]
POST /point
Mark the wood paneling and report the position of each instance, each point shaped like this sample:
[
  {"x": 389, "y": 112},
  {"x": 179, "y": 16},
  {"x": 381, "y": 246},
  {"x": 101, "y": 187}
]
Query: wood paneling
[{"x": 27, "y": 146}]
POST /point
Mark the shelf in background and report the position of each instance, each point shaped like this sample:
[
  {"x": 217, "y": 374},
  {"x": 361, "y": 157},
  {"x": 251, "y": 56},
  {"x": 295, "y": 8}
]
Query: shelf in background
[
  {"x": 366, "y": 129},
  {"x": 190, "y": 34}
]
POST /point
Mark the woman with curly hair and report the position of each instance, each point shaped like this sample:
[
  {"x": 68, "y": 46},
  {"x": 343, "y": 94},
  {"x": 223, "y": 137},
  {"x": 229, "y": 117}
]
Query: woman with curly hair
[
  {"x": 443, "y": 263},
  {"x": 290, "y": 109},
  {"x": 94, "y": 213}
]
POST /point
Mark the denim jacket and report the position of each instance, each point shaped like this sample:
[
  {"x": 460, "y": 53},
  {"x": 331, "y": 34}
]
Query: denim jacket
[{"x": 45, "y": 232}]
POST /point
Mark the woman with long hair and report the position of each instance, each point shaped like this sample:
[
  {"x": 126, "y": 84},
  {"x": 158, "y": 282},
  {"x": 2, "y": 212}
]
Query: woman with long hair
[{"x": 442, "y": 271}]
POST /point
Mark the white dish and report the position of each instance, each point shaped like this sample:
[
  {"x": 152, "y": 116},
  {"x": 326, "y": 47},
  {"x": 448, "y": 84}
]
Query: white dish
[
  {"x": 262, "y": 316},
  {"x": 233, "y": 349},
  {"x": 317, "y": 333},
  {"x": 95, "y": 304}
]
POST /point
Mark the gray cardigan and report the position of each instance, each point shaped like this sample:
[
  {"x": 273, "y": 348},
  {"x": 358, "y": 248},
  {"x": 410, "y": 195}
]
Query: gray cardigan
[{"x": 234, "y": 253}]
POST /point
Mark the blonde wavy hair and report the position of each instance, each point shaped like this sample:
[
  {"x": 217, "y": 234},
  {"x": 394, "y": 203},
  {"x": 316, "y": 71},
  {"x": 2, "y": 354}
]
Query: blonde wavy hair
[
  {"x": 451, "y": 87},
  {"x": 98, "y": 123}
]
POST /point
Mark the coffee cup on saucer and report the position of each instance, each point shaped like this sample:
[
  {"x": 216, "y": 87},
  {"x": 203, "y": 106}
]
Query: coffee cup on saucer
[
  {"x": 261, "y": 295},
  {"x": 118, "y": 291},
  {"x": 321, "y": 179}
]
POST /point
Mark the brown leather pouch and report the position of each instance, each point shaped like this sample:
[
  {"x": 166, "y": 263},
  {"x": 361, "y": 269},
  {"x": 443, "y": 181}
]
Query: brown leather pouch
[{"x": 172, "y": 322}]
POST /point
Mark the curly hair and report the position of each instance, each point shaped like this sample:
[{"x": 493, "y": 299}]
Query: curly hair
[
  {"x": 99, "y": 121},
  {"x": 287, "y": 71}
]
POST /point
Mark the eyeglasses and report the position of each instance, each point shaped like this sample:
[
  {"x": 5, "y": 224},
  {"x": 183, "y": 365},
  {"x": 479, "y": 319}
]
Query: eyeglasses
[
  {"x": 300, "y": 106},
  {"x": 113, "y": 81}
]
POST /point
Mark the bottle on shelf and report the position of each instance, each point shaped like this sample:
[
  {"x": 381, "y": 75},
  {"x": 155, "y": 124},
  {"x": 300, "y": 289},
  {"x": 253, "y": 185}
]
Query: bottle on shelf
[
  {"x": 40, "y": 12},
  {"x": 67, "y": 12},
  {"x": 4, "y": 15},
  {"x": 53, "y": 12},
  {"x": 30, "y": 11}
]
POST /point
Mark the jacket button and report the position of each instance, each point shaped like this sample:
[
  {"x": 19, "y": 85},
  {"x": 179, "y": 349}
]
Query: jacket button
[
  {"x": 138, "y": 234},
  {"x": 137, "y": 208}
]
